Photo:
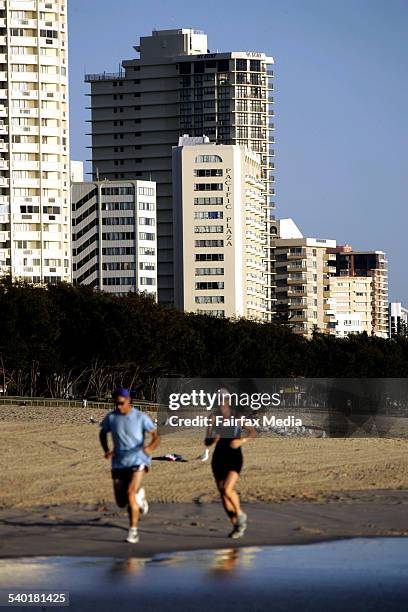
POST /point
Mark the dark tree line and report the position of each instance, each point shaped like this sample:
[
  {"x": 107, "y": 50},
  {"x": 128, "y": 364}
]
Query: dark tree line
[{"x": 65, "y": 340}]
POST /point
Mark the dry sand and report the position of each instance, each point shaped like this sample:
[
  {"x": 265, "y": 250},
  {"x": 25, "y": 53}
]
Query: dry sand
[{"x": 52, "y": 456}]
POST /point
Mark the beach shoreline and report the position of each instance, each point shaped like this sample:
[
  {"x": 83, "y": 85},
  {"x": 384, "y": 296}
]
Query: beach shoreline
[{"x": 99, "y": 530}]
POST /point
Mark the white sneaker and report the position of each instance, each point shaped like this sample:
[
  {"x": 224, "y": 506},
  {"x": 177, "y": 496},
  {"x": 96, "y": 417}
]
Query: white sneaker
[
  {"x": 142, "y": 501},
  {"x": 133, "y": 536},
  {"x": 204, "y": 456}
]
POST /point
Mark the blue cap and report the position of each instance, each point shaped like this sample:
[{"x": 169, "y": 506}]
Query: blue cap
[{"x": 120, "y": 392}]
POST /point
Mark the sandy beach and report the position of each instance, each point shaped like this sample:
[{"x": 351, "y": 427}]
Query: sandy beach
[{"x": 57, "y": 481}]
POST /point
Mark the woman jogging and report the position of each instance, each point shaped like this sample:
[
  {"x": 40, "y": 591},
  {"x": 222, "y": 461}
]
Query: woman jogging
[{"x": 227, "y": 460}]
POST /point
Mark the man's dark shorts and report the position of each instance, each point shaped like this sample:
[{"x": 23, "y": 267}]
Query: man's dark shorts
[{"x": 126, "y": 474}]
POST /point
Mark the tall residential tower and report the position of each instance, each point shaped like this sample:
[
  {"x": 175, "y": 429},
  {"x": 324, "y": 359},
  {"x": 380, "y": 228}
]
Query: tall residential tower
[
  {"x": 219, "y": 230},
  {"x": 177, "y": 86},
  {"x": 34, "y": 148}
]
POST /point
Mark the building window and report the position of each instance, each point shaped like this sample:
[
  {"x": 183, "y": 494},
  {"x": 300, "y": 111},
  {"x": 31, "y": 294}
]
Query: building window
[
  {"x": 146, "y": 206},
  {"x": 209, "y": 214},
  {"x": 209, "y": 299},
  {"x": 209, "y": 257},
  {"x": 149, "y": 191},
  {"x": 209, "y": 243},
  {"x": 208, "y": 172},
  {"x": 209, "y": 285},
  {"x": 146, "y": 280},
  {"x": 208, "y": 201},
  {"x": 208, "y": 229},
  {"x": 208, "y": 187},
  {"x": 147, "y": 251},
  {"x": 207, "y": 159},
  {"x": 147, "y": 221},
  {"x": 209, "y": 271}
]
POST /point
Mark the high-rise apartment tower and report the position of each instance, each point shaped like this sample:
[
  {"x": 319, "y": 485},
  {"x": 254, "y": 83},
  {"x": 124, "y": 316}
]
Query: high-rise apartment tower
[
  {"x": 34, "y": 149},
  {"x": 178, "y": 86},
  {"x": 219, "y": 230}
]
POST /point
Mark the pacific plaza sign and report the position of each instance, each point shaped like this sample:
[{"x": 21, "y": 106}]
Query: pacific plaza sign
[{"x": 228, "y": 207}]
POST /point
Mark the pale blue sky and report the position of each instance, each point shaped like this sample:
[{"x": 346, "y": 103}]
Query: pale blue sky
[{"x": 341, "y": 101}]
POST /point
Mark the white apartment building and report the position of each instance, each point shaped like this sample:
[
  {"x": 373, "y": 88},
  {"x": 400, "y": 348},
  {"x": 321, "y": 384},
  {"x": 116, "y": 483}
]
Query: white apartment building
[
  {"x": 114, "y": 236},
  {"x": 176, "y": 85},
  {"x": 351, "y": 300},
  {"x": 219, "y": 230},
  {"x": 35, "y": 218},
  {"x": 372, "y": 265},
  {"x": 303, "y": 271},
  {"x": 398, "y": 319}
]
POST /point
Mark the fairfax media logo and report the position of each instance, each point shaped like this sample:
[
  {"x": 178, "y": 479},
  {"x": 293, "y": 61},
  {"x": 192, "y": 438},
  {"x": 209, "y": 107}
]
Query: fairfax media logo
[{"x": 220, "y": 421}]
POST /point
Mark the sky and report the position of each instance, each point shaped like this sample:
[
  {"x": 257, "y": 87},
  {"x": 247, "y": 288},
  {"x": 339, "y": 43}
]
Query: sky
[{"x": 341, "y": 93}]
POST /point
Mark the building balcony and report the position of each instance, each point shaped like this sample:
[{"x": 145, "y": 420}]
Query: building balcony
[
  {"x": 299, "y": 318},
  {"x": 26, "y": 183},
  {"x": 26, "y": 129},
  {"x": 3, "y": 94},
  {"x": 26, "y": 147},
  {"x": 4, "y": 182},
  {"x": 4, "y": 164},
  {"x": 48, "y": 7},
  {"x": 29, "y": 41},
  {"x": 24, "y": 95},
  {"x": 24, "y": 235},
  {"x": 51, "y": 166},
  {"x": 3, "y": 41},
  {"x": 3, "y": 58},
  {"x": 291, "y": 267},
  {"x": 4, "y": 146},
  {"x": 50, "y": 131},
  {"x": 52, "y": 24},
  {"x": 296, "y": 255},
  {"x": 296, "y": 278},
  {"x": 23, "y": 58},
  {"x": 3, "y": 75},
  {"x": 48, "y": 113},
  {"x": 51, "y": 78},
  {"x": 26, "y": 165},
  {"x": 30, "y": 77},
  {"x": 3, "y": 129},
  {"x": 52, "y": 184},
  {"x": 24, "y": 112},
  {"x": 297, "y": 292},
  {"x": 23, "y": 23},
  {"x": 3, "y": 111}
]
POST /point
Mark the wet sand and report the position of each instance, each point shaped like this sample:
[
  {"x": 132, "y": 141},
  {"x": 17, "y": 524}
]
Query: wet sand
[{"x": 99, "y": 530}]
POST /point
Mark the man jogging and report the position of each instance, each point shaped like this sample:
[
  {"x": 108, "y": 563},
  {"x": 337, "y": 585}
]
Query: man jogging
[{"x": 130, "y": 455}]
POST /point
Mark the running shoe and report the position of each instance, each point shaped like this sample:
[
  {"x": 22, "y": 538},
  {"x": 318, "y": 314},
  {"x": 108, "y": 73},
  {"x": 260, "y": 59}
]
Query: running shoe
[
  {"x": 142, "y": 501},
  {"x": 240, "y": 527},
  {"x": 242, "y": 520},
  {"x": 237, "y": 532},
  {"x": 133, "y": 536}
]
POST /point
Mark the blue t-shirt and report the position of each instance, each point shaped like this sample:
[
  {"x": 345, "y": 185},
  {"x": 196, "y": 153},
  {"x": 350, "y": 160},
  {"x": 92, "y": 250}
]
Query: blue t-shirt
[{"x": 128, "y": 431}]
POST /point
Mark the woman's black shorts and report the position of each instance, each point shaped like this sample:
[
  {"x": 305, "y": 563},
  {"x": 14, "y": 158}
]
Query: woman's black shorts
[{"x": 226, "y": 459}]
